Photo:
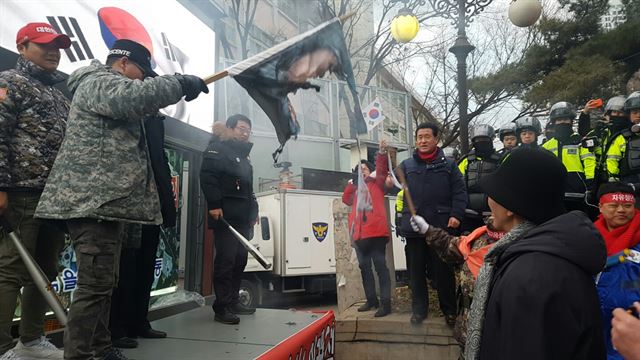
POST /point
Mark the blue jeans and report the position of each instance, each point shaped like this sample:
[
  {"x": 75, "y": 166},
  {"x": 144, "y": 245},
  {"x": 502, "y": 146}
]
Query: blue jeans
[{"x": 368, "y": 250}]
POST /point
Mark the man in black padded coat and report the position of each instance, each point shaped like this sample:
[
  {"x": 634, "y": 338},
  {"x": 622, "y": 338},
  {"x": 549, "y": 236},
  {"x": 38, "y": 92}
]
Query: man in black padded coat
[{"x": 226, "y": 178}]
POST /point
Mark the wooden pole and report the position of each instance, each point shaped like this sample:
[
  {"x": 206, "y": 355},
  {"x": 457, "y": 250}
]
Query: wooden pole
[
  {"x": 405, "y": 188},
  {"x": 346, "y": 16},
  {"x": 215, "y": 77}
]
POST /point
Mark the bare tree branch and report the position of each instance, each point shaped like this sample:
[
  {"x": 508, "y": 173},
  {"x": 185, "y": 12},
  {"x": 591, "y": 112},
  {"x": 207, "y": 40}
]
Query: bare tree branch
[{"x": 243, "y": 13}]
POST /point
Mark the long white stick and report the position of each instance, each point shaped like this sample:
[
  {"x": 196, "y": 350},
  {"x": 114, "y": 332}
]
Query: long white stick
[
  {"x": 39, "y": 278},
  {"x": 249, "y": 246}
]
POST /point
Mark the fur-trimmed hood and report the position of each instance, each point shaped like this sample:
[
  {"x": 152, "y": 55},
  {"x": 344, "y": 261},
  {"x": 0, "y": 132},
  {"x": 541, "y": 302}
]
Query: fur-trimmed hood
[
  {"x": 223, "y": 137},
  {"x": 222, "y": 132}
]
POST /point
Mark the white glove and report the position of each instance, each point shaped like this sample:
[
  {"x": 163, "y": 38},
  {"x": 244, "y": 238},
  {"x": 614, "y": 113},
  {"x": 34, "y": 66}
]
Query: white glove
[{"x": 419, "y": 224}]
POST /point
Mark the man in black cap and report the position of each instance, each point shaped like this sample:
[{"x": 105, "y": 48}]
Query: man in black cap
[
  {"x": 535, "y": 297},
  {"x": 102, "y": 179}
]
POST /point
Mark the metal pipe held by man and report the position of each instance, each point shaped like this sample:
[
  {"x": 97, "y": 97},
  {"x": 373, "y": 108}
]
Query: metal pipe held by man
[
  {"x": 39, "y": 278},
  {"x": 249, "y": 246}
]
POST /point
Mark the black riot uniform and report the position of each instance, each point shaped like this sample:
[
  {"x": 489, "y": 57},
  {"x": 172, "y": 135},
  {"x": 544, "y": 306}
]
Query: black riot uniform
[{"x": 481, "y": 161}]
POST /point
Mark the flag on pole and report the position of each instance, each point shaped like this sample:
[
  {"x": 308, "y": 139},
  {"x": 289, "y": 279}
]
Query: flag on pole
[
  {"x": 363, "y": 204},
  {"x": 272, "y": 74},
  {"x": 373, "y": 115}
]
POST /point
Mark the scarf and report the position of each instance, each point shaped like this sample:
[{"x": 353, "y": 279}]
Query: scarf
[
  {"x": 482, "y": 290},
  {"x": 428, "y": 157},
  {"x": 475, "y": 258},
  {"x": 495, "y": 235},
  {"x": 620, "y": 238}
]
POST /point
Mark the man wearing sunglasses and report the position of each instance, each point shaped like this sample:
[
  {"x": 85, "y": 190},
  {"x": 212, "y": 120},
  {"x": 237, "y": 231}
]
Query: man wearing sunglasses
[{"x": 102, "y": 179}]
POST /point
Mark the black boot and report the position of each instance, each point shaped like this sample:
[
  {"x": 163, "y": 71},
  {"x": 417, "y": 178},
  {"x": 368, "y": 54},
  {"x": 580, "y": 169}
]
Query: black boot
[
  {"x": 150, "y": 333},
  {"x": 384, "y": 310},
  {"x": 450, "y": 320},
  {"x": 240, "y": 309},
  {"x": 227, "y": 317},
  {"x": 417, "y": 318},
  {"x": 368, "y": 306},
  {"x": 124, "y": 343}
]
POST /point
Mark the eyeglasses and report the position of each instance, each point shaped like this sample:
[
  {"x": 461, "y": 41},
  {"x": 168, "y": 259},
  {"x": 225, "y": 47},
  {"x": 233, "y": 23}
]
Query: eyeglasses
[{"x": 244, "y": 130}]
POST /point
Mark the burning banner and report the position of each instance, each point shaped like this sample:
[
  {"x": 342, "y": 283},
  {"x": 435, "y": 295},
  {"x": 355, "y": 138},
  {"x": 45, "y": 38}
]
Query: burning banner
[{"x": 272, "y": 74}]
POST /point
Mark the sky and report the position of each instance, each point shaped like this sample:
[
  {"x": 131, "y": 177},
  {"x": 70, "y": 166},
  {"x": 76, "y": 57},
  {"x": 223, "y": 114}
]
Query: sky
[{"x": 495, "y": 14}]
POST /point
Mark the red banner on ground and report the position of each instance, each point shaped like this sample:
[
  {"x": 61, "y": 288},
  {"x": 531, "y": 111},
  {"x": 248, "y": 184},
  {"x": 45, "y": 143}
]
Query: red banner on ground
[{"x": 317, "y": 341}]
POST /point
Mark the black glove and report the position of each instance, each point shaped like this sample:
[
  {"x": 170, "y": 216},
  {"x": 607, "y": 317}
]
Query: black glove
[{"x": 192, "y": 86}]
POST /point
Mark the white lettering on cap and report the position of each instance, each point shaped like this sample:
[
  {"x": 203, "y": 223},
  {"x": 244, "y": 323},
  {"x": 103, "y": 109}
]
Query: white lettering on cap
[
  {"x": 120, "y": 52},
  {"x": 45, "y": 29}
]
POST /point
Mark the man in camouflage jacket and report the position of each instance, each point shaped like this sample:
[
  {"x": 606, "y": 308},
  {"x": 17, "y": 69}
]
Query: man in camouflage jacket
[
  {"x": 467, "y": 253},
  {"x": 33, "y": 117},
  {"x": 102, "y": 178}
]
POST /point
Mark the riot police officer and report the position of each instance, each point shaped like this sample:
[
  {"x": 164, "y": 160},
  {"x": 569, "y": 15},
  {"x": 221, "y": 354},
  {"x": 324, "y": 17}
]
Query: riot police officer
[
  {"x": 578, "y": 160},
  {"x": 480, "y": 161},
  {"x": 452, "y": 154},
  {"x": 527, "y": 130},
  {"x": 598, "y": 139},
  {"x": 507, "y": 135},
  {"x": 623, "y": 155}
]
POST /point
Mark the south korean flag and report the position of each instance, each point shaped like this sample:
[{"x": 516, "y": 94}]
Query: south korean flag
[{"x": 373, "y": 114}]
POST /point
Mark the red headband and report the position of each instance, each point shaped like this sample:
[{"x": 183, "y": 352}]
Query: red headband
[{"x": 617, "y": 197}]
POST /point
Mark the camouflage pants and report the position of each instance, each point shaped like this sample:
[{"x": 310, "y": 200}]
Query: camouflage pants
[
  {"x": 44, "y": 242},
  {"x": 97, "y": 245}
]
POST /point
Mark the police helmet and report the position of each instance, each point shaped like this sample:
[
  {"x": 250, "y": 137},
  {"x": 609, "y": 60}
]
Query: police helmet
[
  {"x": 506, "y": 129},
  {"x": 633, "y": 101},
  {"x": 528, "y": 123},
  {"x": 562, "y": 110},
  {"x": 616, "y": 103},
  {"x": 482, "y": 130},
  {"x": 451, "y": 153}
]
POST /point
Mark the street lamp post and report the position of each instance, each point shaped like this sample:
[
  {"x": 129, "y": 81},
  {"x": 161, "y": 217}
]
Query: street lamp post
[
  {"x": 461, "y": 49},
  {"x": 460, "y": 12},
  {"x": 521, "y": 12}
]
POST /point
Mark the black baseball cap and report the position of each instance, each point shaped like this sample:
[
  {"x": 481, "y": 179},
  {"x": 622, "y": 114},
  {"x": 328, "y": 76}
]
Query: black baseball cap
[{"x": 134, "y": 52}]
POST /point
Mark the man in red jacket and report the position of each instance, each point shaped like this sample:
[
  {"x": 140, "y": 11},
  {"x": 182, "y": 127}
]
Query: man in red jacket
[{"x": 369, "y": 229}]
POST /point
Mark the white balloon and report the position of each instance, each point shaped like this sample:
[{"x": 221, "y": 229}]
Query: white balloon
[{"x": 524, "y": 13}]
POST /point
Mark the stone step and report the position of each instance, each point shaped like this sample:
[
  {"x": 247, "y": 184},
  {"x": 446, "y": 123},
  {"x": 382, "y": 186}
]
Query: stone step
[{"x": 360, "y": 335}]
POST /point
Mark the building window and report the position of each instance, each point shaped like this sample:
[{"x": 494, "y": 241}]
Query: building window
[{"x": 289, "y": 8}]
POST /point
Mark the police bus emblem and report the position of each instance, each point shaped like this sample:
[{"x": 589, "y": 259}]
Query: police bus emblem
[{"x": 320, "y": 230}]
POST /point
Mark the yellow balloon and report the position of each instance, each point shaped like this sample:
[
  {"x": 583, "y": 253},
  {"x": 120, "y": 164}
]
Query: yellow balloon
[{"x": 404, "y": 28}]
